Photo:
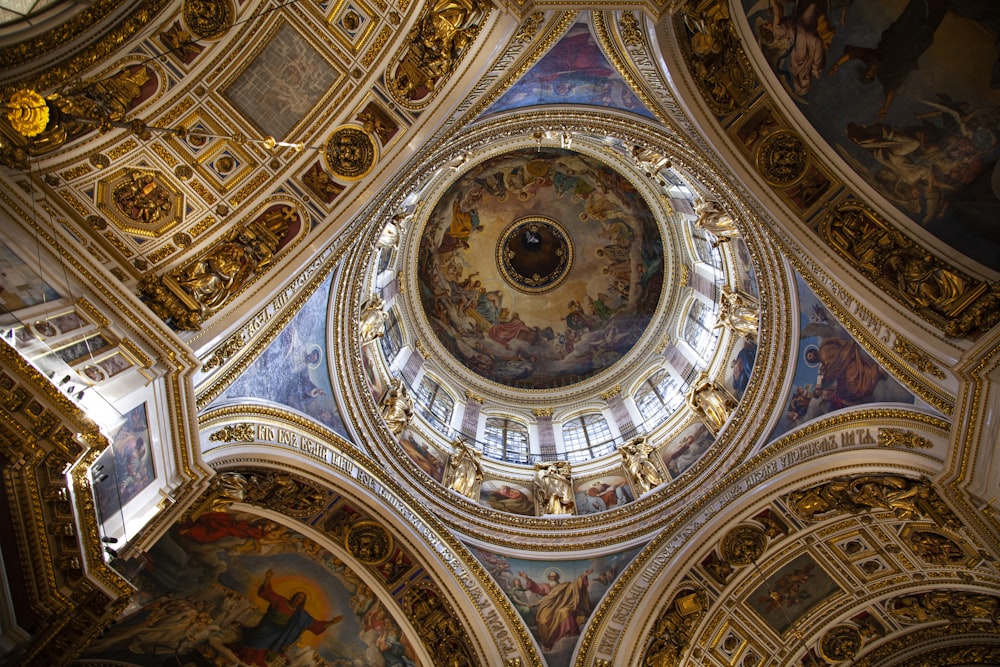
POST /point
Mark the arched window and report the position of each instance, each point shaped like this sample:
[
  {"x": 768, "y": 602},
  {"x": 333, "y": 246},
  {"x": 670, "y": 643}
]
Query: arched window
[
  {"x": 392, "y": 341},
  {"x": 658, "y": 397},
  {"x": 699, "y": 329},
  {"x": 703, "y": 246},
  {"x": 587, "y": 437},
  {"x": 506, "y": 440},
  {"x": 435, "y": 404}
]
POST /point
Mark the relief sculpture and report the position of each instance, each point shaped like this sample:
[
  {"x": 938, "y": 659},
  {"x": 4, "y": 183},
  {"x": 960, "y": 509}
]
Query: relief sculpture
[{"x": 188, "y": 295}]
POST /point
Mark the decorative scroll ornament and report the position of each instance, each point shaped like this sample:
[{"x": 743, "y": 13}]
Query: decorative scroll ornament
[
  {"x": 190, "y": 294},
  {"x": 440, "y": 632},
  {"x": 743, "y": 545},
  {"x": 553, "y": 486},
  {"x": 636, "y": 458},
  {"x": 529, "y": 28},
  {"x": 630, "y": 31},
  {"x": 897, "y": 437},
  {"x": 221, "y": 354},
  {"x": 235, "y": 433},
  {"x": 27, "y": 113},
  {"x": 915, "y": 356}
]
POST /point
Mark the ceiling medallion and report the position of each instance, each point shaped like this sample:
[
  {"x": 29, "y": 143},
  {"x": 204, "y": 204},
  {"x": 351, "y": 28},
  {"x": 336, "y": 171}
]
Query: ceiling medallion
[
  {"x": 350, "y": 153},
  {"x": 534, "y": 254},
  {"x": 369, "y": 542}
]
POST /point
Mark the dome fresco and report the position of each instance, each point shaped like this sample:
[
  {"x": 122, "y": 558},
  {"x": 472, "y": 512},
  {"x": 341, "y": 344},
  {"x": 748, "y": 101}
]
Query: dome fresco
[{"x": 540, "y": 268}]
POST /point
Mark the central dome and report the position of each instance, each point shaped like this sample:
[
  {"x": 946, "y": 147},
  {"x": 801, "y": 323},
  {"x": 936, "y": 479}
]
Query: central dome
[{"x": 540, "y": 267}]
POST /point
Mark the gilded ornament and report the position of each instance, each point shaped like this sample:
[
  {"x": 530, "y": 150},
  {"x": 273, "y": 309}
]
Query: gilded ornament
[
  {"x": 27, "y": 112},
  {"x": 183, "y": 172},
  {"x": 915, "y": 356},
  {"x": 674, "y": 629},
  {"x": 142, "y": 198},
  {"x": 782, "y": 158},
  {"x": 714, "y": 55},
  {"x": 529, "y": 28},
  {"x": 630, "y": 31},
  {"x": 907, "y": 499},
  {"x": 439, "y": 39},
  {"x": 221, "y": 354},
  {"x": 897, "y": 437},
  {"x": 368, "y": 542},
  {"x": 285, "y": 493},
  {"x": 945, "y": 604},
  {"x": 208, "y": 19},
  {"x": 350, "y": 153},
  {"x": 840, "y": 643},
  {"x": 100, "y": 160},
  {"x": 715, "y": 220},
  {"x": 743, "y": 545},
  {"x": 72, "y": 112},
  {"x": 235, "y": 433},
  {"x": 436, "y": 625},
  {"x": 739, "y": 312},
  {"x": 933, "y": 547},
  {"x": 371, "y": 322}
]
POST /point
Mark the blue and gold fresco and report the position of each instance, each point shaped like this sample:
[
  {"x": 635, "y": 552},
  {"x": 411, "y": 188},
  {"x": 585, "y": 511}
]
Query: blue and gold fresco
[
  {"x": 575, "y": 71},
  {"x": 293, "y": 370},
  {"x": 237, "y": 589},
  {"x": 908, "y": 93},
  {"x": 833, "y": 371},
  {"x": 555, "y": 599}
]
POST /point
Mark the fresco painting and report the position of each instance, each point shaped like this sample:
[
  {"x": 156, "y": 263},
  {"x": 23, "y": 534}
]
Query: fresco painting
[
  {"x": 125, "y": 468},
  {"x": 555, "y": 599},
  {"x": 425, "y": 455},
  {"x": 583, "y": 324},
  {"x": 833, "y": 371},
  {"x": 908, "y": 93},
  {"x": 237, "y": 589},
  {"x": 574, "y": 71},
  {"x": 20, "y": 285},
  {"x": 293, "y": 371},
  {"x": 746, "y": 276},
  {"x": 604, "y": 493},
  {"x": 685, "y": 449},
  {"x": 791, "y": 592},
  {"x": 290, "y": 74},
  {"x": 740, "y": 367},
  {"x": 507, "y": 497}
]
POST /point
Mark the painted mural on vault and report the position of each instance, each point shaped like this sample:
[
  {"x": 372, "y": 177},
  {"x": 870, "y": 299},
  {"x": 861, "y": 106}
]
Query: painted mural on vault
[
  {"x": 238, "y": 589},
  {"x": 574, "y": 71},
  {"x": 832, "y": 371},
  {"x": 293, "y": 370},
  {"x": 791, "y": 592},
  {"x": 908, "y": 93},
  {"x": 582, "y": 325},
  {"x": 20, "y": 285},
  {"x": 555, "y": 599}
]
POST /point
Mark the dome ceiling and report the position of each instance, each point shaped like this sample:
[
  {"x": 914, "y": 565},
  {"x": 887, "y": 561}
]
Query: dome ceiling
[{"x": 540, "y": 268}]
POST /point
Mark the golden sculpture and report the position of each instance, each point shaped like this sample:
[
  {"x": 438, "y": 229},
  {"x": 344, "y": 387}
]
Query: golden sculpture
[
  {"x": 464, "y": 470},
  {"x": 944, "y": 604},
  {"x": 782, "y": 158},
  {"x": 190, "y": 294},
  {"x": 440, "y": 37},
  {"x": 208, "y": 19},
  {"x": 713, "y": 219},
  {"x": 674, "y": 628},
  {"x": 371, "y": 323},
  {"x": 841, "y": 643},
  {"x": 710, "y": 401},
  {"x": 351, "y": 153},
  {"x": 740, "y": 313},
  {"x": 396, "y": 407},
  {"x": 934, "y": 548},
  {"x": 68, "y": 114},
  {"x": 554, "y": 488},
  {"x": 908, "y": 499},
  {"x": 141, "y": 198},
  {"x": 635, "y": 457},
  {"x": 389, "y": 237},
  {"x": 743, "y": 545}
]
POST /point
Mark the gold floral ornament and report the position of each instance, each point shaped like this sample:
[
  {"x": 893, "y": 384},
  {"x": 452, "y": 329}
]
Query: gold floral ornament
[
  {"x": 27, "y": 112},
  {"x": 841, "y": 643}
]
